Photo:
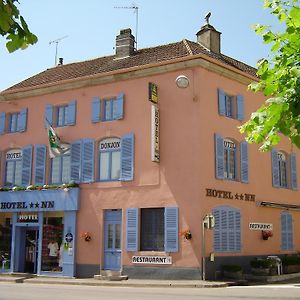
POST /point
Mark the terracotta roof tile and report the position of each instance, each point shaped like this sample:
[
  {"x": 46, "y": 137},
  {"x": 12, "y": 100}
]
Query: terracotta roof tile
[{"x": 141, "y": 57}]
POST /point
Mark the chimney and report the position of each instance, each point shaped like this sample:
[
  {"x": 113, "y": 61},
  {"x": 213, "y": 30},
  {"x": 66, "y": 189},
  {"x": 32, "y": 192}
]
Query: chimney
[
  {"x": 209, "y": 37},
  {"x": 60, "y": 61},
  {"x": 124, "y": 43}
]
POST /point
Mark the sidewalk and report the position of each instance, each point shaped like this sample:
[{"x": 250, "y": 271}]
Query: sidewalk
[{"x": 123, "y": 283}]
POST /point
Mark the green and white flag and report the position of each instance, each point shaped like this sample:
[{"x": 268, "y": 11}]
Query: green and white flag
[{"x": 56, "y": 147}]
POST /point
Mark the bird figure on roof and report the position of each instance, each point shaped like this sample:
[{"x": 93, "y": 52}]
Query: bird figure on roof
[{"x": 207, "y": 18}]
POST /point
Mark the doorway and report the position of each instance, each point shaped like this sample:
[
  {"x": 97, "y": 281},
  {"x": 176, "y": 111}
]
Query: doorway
[{"x": 112, "y": 239}]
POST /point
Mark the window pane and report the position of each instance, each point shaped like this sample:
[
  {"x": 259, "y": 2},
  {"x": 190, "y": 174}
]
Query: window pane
[
  {"x": 115, "y": 165},
  {"x": 110, "y": 236},
  {"x": 104, "y": 166},
  {"x": 108, "y": 108},
  {"x": 18, "y": 173},
  {"x": 52, "y": 244},
  {"x": 61, "y": 112},
  {"x": 114, "y": 108},
  {"x": 13, "y": 122},
  {"x": 55, "y": 170},
  {"x": 66, "y": 167},
  {"x": 9, "y": 173},
  {"x": 118, "y": 237},
  {"x": 152, "y": 229}
]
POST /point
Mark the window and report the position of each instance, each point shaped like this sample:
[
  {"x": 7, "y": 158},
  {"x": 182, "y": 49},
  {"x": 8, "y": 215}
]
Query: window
[
  {"x": 281, "y": 167},
  {"x": 227, "y": 162},
  {"x": 227, "y": 230},
  {"x": 108, "y": 109},
  {"x": 110, "y": 159},
  {"x": 229, "y": 159},
  {"x": 152, "y": 229},
  {"x": 286, "y": 231},
  {"x": 61, "y": 115},
  {"x": 18, "y": 167},
  {"x": 230, "y": 106},
  {"x": 13, "y": 122},
  {"x": 156, "y": 230},
  {"x": 116, "y": 158},
  {"x": 61, "y": 169},
  {"x": 13, "y": 174}
]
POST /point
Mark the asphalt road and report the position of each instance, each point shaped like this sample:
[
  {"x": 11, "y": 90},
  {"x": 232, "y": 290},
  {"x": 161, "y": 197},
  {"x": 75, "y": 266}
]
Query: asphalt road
[{"x": 26, "y": 291}]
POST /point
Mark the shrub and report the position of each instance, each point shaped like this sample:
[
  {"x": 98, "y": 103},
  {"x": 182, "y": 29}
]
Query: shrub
[
  {"x": 261, "y": 263},
  {"x": 231, "y": 268},
  {"x": 291, "y": 260}
]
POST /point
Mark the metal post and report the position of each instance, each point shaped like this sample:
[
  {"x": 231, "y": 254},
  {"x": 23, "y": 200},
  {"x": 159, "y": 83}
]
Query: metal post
[{"x": 203, "y": 250}]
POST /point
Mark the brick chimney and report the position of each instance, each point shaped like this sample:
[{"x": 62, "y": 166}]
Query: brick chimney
[
  {"x": 124, "y": 43},
  {"x": 209, "y": 37}
]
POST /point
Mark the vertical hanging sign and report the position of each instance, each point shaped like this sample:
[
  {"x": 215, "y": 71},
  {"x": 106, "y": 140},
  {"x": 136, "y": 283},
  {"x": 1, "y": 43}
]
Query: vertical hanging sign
[
  {"x": 155, "y": 134},
  {"x": 152, "y": 93}
]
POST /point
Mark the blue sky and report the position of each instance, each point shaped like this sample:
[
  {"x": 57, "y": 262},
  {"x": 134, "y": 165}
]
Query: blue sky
[{"x": 91, "y": 27}]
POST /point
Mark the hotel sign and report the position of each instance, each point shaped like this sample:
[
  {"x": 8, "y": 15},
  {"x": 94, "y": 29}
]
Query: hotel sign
[
  {"x": 260, "y": 226},
  {"x": 155, "y": 134},
  {"x": 153, "y": 260},
  {"x": 152, "y": 91},
  {"x": 229, "y": 195}
]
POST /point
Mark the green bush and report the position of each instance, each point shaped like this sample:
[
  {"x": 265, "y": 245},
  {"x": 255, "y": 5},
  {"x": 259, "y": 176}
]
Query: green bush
[
  {"x": 291, "y": 260},
  {"x": 231, "y": 268},
  {"x": 261, "y": 263}
]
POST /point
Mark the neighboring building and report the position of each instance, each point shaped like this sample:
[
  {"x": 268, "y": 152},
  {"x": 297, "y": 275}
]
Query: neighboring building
[{"x": 147, "y": 171}]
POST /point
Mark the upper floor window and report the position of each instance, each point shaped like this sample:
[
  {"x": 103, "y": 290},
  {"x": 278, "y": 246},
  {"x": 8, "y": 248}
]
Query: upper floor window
[
  {"x": 230, "y": 106},
  {"x": 227, "y": 230},
  {"x": 108, "y": 109},
  {"x": 282, "y": 167},
  {"x": 61, "y": 169},
  {"x": 13, "y": 122},
  {"x": 18, "y": 164},
  {"x": 227, "y": 162},
  {"x": 110, "y": 159},
  {"x": 61, "y": 115}
]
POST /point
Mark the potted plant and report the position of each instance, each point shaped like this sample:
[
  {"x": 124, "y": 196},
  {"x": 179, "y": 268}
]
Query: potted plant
[
  {"x": 186, "y": 234},
  {"x": 266, "y": 234},
  {"x": 232, "y": 271}
]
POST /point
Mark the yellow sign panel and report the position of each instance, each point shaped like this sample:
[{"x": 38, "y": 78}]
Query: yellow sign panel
[{"x": 153, "y": 93}]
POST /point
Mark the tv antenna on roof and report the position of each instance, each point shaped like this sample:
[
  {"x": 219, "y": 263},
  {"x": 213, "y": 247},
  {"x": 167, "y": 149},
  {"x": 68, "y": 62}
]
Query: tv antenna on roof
[
  {"x": 136, "y": 11},
  {"x": 56, "y": 42}
]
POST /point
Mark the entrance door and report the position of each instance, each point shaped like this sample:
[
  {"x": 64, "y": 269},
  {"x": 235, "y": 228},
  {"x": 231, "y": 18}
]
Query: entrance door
[
  {"x": 112, "y": 239},
  {"x": 31, "y": 250}
]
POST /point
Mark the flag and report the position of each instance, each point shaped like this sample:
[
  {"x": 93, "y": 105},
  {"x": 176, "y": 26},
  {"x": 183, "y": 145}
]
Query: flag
[{"x": 56, "y": 147}]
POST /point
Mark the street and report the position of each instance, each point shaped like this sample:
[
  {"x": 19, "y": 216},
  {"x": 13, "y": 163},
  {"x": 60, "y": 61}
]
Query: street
[{"x": 26, "y": 291}]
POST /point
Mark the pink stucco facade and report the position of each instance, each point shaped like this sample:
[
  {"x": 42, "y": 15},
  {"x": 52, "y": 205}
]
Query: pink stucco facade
[{"x": 186, "y": 173}]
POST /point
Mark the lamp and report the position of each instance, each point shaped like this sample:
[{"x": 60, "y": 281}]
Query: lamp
[{"x": 182, "y": 82}]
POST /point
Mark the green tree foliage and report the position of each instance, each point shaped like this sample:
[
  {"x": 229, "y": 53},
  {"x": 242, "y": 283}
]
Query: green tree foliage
[
  {"x": 14, "y": 27},
  {"x": 279, "y": 80}
]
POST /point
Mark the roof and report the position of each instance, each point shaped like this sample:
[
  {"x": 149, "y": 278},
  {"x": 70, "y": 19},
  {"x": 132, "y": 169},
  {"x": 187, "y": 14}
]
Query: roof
[{"x": 142, "y": 57}]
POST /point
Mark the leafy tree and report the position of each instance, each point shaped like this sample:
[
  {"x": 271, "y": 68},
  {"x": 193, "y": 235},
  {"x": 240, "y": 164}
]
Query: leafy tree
[
  {"x": 14, "y": 27},
  {"x": 279, "y": 80}
]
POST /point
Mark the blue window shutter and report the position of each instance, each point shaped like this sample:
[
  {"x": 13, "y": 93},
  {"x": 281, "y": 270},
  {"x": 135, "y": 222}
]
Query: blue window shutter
[
  {"x": 294, "y": 183},
  {"x": 237, "y": 226},
  {"x": 87, "y": 161},
  {"x": 96, "y": 109},
  {"x": 221, "y": 101},
  {"x": 118, "y": 114},
  {"x": 244, "y": 162},
  {"x": 71, "y": 113},
  {"x": 217, "y": 231},
  {"x": 22, "y": 120},
  {"x": 48, "y": 115},
  {"x": 132, "y": 219},
  {"x": 171, "y": 229},
  {"x": 275, "y": 168},
  {"x": 240, "y": 107},
  {"x": 40, "y": 164},
  {"x": 127, "y": 157},
  {"x": 26, "y": 165},
  {"x": 286, "y": 231},
  {"x": 76, "y": 161},
  {"x": 219, "y": 153},
  {"x": 2, "y": 122}
]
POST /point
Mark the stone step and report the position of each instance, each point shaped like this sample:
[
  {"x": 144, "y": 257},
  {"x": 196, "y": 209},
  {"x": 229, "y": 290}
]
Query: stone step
[{"x": 111, "y": 275}]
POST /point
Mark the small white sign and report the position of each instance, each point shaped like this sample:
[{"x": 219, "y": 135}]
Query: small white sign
[
  {"x": 260, "y": 226},
  {"x": 155, "y": 134},
  {"x": 14, "y": 154},
  {"x": 153, "y": 260}
]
